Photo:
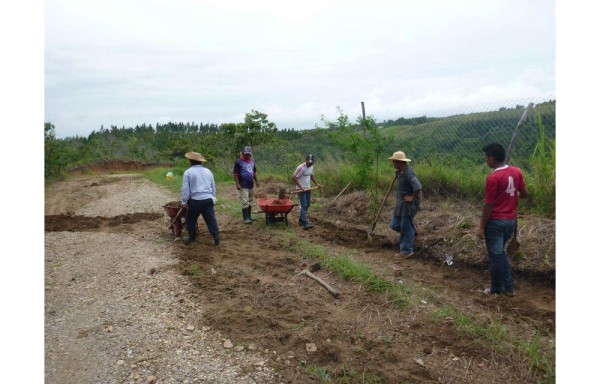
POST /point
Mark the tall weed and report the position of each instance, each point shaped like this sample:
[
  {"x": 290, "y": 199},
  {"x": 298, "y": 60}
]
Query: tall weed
[{"x": 543, "y": 164}]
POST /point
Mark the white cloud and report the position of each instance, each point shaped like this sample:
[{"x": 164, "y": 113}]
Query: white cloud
[{"x": 126, "y": 63}]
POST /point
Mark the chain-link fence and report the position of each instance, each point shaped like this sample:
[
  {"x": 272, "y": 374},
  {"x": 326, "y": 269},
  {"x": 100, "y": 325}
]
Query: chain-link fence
[{"x": 456, "y": 136}]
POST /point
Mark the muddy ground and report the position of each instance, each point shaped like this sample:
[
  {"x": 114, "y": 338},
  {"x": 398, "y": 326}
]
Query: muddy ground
[{"x": 446, "y": 332}]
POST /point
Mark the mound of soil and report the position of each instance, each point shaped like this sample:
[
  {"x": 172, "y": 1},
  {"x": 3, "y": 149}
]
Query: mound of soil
[{"x": 118, "y": 165}]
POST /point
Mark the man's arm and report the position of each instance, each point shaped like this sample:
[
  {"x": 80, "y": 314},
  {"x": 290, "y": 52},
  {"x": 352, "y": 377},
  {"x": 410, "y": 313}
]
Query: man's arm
[
  {"x": 413, "y": 197},
  {"x": 255, "y": 179},
  {"x": 523, "y": 191},
  {"x": 185, "y": 190},
  {"x": 297, "y": 183},
  {"x": 312, "y": 177},
  {"x": 236, "y": 174}
]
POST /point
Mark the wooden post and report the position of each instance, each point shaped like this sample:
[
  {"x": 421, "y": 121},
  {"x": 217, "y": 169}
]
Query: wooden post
[{"x": 362, "y": 104}]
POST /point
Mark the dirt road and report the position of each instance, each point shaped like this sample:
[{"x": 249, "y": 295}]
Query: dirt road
[{"x": 125, "y": 302}]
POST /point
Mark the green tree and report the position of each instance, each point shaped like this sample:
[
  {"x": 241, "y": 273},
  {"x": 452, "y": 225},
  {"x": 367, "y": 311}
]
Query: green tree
[
  {"x": 256, "y": 129},
  {"x": 51, "y": 153},
  {"x": 362, "y": 144}
]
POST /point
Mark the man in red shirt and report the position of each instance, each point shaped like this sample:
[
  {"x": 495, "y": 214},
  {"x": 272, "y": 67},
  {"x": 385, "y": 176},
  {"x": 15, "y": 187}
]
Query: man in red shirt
[{"x": 503, "y": 187}]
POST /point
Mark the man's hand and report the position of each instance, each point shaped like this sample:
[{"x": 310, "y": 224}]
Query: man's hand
[
  {"x": 184, "y": 205},
  {"x": 238, "y": 187},
  {"x": 409, "y": 198},
  {"x": 480, "y": 233}
]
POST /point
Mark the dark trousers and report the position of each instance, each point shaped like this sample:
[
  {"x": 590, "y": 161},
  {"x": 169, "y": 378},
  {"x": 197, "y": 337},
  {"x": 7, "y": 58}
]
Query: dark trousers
[
  {"x": 206, "y": 208},
  {"x": 497, "y": 234}
]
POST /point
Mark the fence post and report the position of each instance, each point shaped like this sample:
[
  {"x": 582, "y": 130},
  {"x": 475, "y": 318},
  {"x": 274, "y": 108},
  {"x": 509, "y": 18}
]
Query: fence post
[{"x": 516, "y": 132}]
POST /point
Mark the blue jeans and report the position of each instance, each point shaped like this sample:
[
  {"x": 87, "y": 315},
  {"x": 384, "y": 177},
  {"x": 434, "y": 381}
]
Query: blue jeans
[
  {"x": 206, "y": 208},
  {"x": 406, "y": 227},
  {"x": 304, "y": 198},
  {"x": 497, "y": 233}
]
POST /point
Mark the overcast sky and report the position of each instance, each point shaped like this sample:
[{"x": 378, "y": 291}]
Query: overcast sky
[{"x": 128, "y": 62}]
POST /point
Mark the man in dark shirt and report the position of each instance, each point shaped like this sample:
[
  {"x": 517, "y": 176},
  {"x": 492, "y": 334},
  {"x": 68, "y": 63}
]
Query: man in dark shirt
[
  {"x": 407, "y": 203},
  {"x": 244, "y": 174}
]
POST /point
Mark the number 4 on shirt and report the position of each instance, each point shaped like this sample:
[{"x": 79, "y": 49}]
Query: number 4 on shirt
[{"x": 511, "y": 186}]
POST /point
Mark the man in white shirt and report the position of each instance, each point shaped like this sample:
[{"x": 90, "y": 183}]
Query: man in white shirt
[{"x": 302, "y": 177}]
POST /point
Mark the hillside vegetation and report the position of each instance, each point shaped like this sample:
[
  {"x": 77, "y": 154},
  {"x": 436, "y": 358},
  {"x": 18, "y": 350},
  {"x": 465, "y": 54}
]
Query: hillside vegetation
[{"x": 446, "y": 151}]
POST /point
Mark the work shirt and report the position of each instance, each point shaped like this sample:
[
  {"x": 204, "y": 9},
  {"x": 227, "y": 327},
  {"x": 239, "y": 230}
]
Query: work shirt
[
  {"x": 501, "y": 190},
  {"x": 407, "y": 185},
  {"x": 244, "y": 171},
  {"x": 198, "y": 184},
  {"x": 303, "y": 174}
]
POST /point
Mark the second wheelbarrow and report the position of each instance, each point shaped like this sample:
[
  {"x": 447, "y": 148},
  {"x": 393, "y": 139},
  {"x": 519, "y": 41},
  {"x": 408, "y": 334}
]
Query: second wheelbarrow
[{"x": 275, "y": 209}]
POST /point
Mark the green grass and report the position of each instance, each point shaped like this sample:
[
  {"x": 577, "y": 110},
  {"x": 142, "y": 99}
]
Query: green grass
[
  {"x": 543, "y": 185},
  {"x": 345, "y": 375},
  {"x": 351, "y": 270},
  {"x": 158, "y": 176},
  {"x": 494, "y": 335},
  {"x": 192, "y": 270}
]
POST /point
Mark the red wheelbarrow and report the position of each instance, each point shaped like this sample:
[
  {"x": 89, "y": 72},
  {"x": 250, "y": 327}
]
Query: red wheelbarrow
[
  {"x": 176, "y": 213},
  {"x": 275, "y": 209}
]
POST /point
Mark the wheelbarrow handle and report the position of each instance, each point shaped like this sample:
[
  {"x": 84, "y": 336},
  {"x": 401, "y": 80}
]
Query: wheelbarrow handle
[{"x": 175, "y": 218}]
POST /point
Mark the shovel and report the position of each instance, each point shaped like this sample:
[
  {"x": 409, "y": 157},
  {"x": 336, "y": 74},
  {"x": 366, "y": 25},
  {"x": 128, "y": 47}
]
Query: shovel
[
  {"x": 370, "y": 232},
  {"x": 175, "y": 218},
  {"x": 513, "y": 244}
]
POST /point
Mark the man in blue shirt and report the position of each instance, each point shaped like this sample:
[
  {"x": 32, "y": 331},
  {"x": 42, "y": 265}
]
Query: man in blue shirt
[
  {"x": 198, "y": 195},
  {"x": 244, "y": 174}
]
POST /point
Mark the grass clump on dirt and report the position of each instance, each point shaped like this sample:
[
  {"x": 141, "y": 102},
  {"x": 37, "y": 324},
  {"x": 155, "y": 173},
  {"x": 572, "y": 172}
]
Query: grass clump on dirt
[
  {"x": 344, "y": 375},
  {"x": 491, "y": 334},
  {"x": 351, "y": 270},
  {"x": 191, "y": 270}
]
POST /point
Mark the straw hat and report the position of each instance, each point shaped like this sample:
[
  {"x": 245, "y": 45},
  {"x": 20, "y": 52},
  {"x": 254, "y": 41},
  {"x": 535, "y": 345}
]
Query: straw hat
[
  {"x": 195, "y": 156},
  {"x": 398, "y": 156}
]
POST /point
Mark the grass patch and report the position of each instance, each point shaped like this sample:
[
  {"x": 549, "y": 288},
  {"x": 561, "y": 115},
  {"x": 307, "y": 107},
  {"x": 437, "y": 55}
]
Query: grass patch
[
  {"x": 158, "y": 176},
  {"x": 352, "y": 270},
  {"x": 497, "y": 337},
  {"x": 192, "y": 270},
  {"x": 345, "y": 375}
]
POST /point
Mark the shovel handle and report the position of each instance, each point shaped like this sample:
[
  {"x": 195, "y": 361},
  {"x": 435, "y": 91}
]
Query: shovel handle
[
  {"x": 175, "y": 218},
  {"x": 309, "y": 189},
  {"x": 383, "y": 202}
]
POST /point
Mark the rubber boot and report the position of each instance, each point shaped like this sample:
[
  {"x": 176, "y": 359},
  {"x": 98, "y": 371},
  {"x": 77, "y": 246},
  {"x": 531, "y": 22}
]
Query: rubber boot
[
  {"x": 247, "y": 219},
  {"x": 244, "y": 215},
  {"x": 250, "y": 214},
  {"x": 189, "y": 240},
  {"x": 216, "y": 239}
]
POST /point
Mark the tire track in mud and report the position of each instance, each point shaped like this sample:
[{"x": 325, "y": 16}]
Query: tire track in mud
[{"x": 74, "y": 223}]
